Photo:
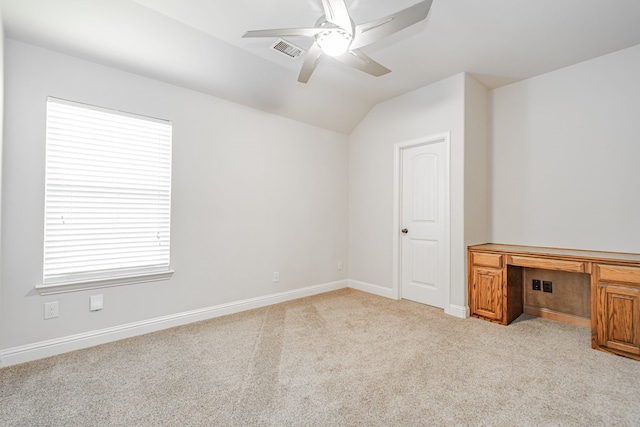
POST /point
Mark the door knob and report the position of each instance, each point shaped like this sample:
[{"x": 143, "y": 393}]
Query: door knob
[{"x": 405, "y": 231}]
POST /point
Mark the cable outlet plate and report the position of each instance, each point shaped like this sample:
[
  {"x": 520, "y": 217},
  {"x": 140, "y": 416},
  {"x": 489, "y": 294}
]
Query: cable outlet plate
[{"x": 96, "y": 302}]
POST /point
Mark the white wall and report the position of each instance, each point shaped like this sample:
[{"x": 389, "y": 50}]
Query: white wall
[
  {"x": 1, "y": 151},
  {"x": 253, "y": 193},
  {"x": 431, "y": 110},
  {"x": 476, "y": 169},
  {"x": 564, "y": 157}
]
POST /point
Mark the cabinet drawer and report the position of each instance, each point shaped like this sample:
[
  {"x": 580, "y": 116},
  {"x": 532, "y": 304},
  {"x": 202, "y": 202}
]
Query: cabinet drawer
[
  {"x": 487, "y": 260},
  {"x": 617, "y": 273},
  {"x": 548, "y": 264}
]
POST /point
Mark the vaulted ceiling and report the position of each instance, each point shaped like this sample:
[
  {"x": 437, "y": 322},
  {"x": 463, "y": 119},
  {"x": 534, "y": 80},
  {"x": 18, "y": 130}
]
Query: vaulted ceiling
[{"x": 198, "y": 44}]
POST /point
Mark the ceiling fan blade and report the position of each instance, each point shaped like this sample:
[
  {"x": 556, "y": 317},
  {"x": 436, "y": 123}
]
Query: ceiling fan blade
[
  {"x": 310, "y": 63},
  {"x": 283, "y": 32},
  {"x": 372, "y": 31},
  {"x": 336, "y": 12},
  {"x": 362, "y": 62}
]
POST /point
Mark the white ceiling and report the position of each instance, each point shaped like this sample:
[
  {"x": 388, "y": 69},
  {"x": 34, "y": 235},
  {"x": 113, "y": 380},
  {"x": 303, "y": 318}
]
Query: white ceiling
[{"x": 197, "y": 44}]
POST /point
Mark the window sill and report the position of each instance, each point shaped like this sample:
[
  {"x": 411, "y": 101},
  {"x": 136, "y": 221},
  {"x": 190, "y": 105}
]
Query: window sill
[{"x": 59, "y": 288}]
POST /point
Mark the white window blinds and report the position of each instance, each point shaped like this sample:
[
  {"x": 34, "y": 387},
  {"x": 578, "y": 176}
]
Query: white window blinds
[{"x": 107, "y": 195}]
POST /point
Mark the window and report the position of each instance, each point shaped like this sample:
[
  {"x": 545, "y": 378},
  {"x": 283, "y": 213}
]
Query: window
[{"x": 107, "y": 198}]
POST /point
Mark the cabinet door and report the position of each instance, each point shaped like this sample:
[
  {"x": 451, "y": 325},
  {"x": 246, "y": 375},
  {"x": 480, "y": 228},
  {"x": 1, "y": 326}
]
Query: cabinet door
[
  {"x": 618, "y": 323},
  {"x": 487, "y": 296}
]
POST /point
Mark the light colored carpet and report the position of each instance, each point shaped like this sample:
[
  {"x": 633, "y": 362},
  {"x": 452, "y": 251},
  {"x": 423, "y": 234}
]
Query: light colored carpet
[{"x": 344, "y": 358}]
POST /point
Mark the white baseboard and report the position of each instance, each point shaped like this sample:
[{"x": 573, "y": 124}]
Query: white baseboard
[
  {"x": 459, "y": 311},
  {"x": 39, "y": 350},
  {"x": 372, "y": 289}
]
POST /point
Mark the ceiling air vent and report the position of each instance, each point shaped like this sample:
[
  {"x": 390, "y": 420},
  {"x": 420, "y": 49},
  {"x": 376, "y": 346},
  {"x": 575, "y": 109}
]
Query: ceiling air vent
[{"x": 286, "y": 48}]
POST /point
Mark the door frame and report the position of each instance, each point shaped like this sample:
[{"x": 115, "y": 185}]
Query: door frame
[{"x": 444, "y": 137}]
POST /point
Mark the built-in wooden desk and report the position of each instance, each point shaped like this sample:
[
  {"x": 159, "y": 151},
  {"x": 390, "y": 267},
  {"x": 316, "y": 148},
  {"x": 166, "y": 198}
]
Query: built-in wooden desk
[{"x": 600, "y": 290}]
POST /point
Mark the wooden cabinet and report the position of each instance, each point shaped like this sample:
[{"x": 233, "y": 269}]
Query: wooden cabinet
[
  {"x": 593, "y": 288},
  {"x": 494, "y": 293},
  {"x": 486, "y": 294},
  {"x": 616, "y": 325}
]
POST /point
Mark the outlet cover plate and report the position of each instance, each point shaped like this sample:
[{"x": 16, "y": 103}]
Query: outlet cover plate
[
  {"x": 51, "y": 310},
  {"x": 96, "y": 303},
  {"x": 536, "y": 285}
]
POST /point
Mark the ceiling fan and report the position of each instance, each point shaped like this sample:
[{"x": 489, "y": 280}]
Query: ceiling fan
[{"x": 336, "y": 35}]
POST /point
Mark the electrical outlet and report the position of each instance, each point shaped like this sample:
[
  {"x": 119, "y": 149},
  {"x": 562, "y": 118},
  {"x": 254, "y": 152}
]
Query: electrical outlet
[
  {"x": 535, "y": 285},
  {"x": 547, "y": 286},
  {"x": 50, "y": 310},
  {"x": 339, "y": 265},
  {"x": 276, "y": 277}
]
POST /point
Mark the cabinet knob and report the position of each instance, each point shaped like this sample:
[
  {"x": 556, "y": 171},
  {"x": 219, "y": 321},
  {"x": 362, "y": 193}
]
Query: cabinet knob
[{"x": 405, "y": 231}]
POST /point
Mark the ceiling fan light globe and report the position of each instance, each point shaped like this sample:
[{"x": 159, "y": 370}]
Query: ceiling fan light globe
[{"x": 334, "y": 42}]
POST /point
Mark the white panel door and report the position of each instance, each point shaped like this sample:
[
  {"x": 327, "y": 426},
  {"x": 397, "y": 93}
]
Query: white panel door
[{"x": 425, "y": 224}]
